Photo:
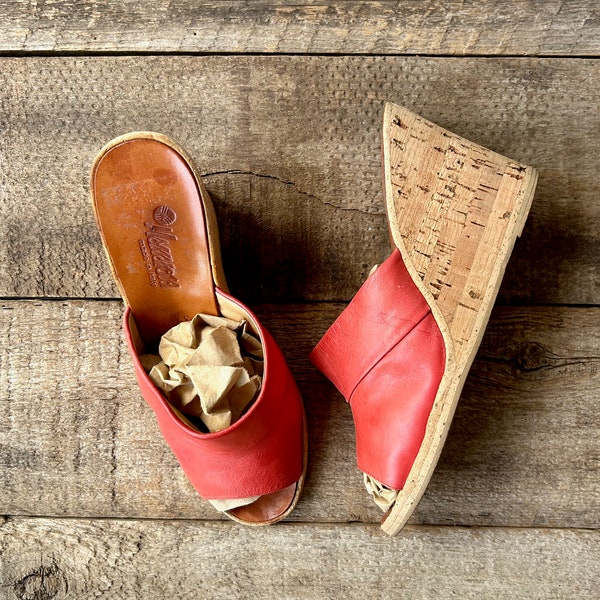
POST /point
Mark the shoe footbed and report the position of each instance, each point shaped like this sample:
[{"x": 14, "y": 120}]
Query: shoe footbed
[
  {"x": 267, "y": 508},
  {"x": 152, "y": 222}
]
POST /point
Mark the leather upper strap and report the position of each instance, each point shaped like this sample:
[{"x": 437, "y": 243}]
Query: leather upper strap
[
  {"x": 260, "y": 453},
  {"x": 386, "y": 355}
]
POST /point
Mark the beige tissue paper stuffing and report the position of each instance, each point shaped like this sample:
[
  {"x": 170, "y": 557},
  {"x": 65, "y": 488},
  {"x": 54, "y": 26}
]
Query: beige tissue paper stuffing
[{"x": 210, "y": 370}]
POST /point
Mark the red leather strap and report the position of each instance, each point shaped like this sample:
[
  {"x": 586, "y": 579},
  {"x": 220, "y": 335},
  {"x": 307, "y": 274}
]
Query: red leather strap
[
  {"x": 259, "y": 454},
  {"x": 386, "y": 355}
]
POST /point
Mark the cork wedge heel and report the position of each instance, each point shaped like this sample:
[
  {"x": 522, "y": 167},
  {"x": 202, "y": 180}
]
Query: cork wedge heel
[
  {"x": 401, "y": 350},
  {"x": 455, "y": 210}
]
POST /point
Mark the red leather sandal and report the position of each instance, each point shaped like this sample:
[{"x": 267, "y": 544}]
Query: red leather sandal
[
  {"x": 401, "y": 350},
  {"x": 159, "y": 231}
]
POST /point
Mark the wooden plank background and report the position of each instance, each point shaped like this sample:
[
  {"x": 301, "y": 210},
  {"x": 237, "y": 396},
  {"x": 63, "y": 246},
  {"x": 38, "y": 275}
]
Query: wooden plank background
[
  {"x": 111, "y": 559},
  {"x": 280, "y": 105},
  {"x": 290, "y": 149},
  {"x": 524, "y": 406},
  {"x": 487, "y": 27}
]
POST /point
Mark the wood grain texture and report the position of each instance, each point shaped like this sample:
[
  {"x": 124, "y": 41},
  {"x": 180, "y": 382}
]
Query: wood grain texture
[
  {"x": 290, "y": 150},
  {"x": 140, "y": 559},
  {"x": 490, "y": 27},
  {"x": 76, "y": 438}
]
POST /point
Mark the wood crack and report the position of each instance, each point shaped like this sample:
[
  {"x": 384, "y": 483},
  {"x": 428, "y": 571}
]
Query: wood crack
[
  {"x": 527, "y": 364},
  {"x": 293, "y": 185}
]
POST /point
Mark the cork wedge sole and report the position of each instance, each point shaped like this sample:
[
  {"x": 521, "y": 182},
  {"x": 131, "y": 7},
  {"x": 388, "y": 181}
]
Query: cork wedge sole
[{"x": 455, "y": 210}]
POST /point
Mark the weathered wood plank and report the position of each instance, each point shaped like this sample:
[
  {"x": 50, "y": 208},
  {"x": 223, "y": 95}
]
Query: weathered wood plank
[
  {"x": 490, "y": 27},
  {"x": 76, "y": 438},
  {"x": 290, "y": 150},
  {"x": 57, "y": 558}
]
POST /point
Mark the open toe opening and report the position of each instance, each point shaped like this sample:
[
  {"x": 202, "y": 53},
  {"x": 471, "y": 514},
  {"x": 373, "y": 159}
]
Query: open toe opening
[{"x": 268, "y": 508}]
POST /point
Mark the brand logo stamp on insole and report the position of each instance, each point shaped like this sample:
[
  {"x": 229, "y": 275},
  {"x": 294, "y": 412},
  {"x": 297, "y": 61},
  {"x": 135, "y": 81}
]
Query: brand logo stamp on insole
[
  {"x": 164, "y": 215},
  {"x": 156, "y": 247}
]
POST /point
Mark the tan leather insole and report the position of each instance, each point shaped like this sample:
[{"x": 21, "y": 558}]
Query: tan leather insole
[
  {"x": 268, "y": 507},
  {"x": 153, "y": 225}
]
